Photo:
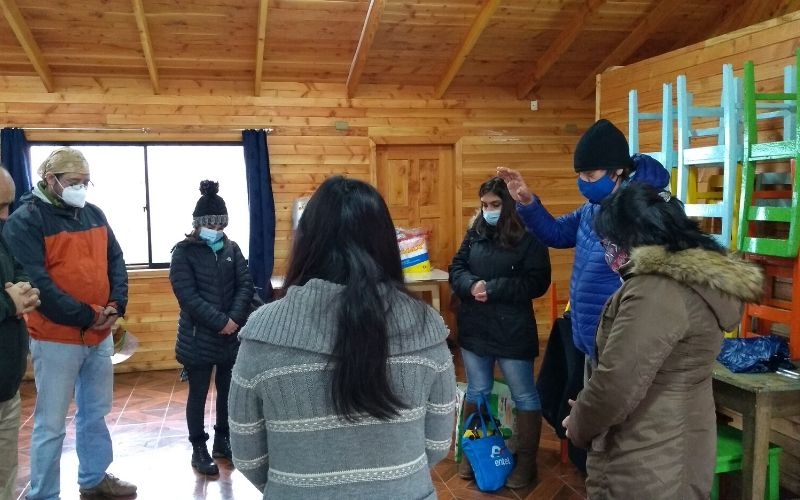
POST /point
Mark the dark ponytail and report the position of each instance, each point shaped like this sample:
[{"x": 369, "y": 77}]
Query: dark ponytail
[{"x": 346, "y": 236}]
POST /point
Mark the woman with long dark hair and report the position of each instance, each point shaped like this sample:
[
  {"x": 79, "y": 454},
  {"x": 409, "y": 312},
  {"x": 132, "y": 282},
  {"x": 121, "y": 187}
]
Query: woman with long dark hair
[
  {"x": 498, "y": 270},
  {"x": 647, "y": 412},
  {"x": 344, "y": 387}
]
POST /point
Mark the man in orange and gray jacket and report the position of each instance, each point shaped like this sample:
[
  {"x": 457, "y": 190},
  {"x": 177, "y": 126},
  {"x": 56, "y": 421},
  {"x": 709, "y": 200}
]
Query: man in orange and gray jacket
[{"x": 69, "y": 252}]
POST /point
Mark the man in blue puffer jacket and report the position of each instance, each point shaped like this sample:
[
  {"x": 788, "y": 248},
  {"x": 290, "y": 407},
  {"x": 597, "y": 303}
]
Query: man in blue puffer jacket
[{"x": 603, "y": 165}]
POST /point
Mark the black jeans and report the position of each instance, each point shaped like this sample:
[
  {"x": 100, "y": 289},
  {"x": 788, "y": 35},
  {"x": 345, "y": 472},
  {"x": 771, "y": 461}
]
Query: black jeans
[{"x": 199, "y": 382}]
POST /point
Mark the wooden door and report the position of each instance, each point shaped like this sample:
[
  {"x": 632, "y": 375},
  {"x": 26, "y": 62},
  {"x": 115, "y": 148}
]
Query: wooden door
[{"x": 418, "y": 185}]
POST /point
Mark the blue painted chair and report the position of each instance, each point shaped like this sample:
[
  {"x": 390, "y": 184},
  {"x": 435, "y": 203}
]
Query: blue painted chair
[
  {"x": 704, "y": 146},
  {"x": 666, "y": 118}
]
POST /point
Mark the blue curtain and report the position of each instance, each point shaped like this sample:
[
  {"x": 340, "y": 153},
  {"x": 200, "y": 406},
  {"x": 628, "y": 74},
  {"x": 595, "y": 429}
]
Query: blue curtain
[
  {"x": 262, "y": 211},
  {"x": 15, "y": 156}
]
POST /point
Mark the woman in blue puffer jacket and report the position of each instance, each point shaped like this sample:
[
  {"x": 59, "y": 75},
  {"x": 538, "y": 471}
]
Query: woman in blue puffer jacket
[{"x": 603, "y": 165}]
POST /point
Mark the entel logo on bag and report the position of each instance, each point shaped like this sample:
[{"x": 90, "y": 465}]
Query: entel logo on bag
[{"x": 497, "y": 452}]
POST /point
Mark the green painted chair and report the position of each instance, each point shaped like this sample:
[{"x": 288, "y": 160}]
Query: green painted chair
[
  {"x": 780, "y": 104},
  {"x": 729, "y": 459}
]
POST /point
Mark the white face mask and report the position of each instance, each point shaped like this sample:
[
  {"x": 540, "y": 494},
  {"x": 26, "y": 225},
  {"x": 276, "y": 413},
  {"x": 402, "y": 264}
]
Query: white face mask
[{"x": 74, "y": 196}]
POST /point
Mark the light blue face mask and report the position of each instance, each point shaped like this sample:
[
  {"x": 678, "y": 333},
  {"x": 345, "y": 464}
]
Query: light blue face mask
[
  {"x": 491, "y": 217},
  {"x": 210, "y": 235}
]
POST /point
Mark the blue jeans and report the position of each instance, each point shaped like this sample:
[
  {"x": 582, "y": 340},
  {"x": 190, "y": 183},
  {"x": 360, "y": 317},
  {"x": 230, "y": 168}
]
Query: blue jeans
[
  {"x": 518, "y": 374},
  {"x": 61, "y": 371}
]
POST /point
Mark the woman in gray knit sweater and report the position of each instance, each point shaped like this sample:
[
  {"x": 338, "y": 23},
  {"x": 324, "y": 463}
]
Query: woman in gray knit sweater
[{"x": 345, "y": 387}]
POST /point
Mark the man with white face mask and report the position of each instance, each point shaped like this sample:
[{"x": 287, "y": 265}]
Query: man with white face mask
[{"x": 70, "y": 253}]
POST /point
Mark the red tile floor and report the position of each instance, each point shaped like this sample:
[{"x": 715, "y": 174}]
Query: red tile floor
[{"x": 148, "y": 428}]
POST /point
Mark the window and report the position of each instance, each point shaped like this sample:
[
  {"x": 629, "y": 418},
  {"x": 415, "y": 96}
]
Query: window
[{"x": 131, "y": 182}]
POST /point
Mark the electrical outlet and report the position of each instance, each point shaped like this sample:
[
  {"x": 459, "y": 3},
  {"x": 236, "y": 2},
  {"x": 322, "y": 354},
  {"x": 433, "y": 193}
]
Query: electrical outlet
[{"x": 534, "y": 105}]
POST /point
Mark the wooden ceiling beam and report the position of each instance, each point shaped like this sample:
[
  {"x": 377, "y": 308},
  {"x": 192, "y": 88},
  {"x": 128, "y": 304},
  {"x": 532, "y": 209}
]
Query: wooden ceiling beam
[
  {"x": 471, "y": 38},
  {"x": 371, "y": 24},
  {"x": 25, "y": 37},
  {"x": 693, "y": 33},
  {"x": 147, "y": 44},
  {"x": 786, "y": 7},
  {"x": 643, "y": 30},
  {"x": 261, "y": 42},
  {"x": 574, "y": 26},
  {"x": 757, "y": 12},
  {"x": 734, "y": 15},
  {"x": 752, "y": 13},
  {"x": 748, "y": 12}
]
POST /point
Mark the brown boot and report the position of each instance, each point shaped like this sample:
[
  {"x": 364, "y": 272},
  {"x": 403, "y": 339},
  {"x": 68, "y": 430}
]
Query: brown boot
[
  {"x": 464, "y": 468},
  {"x": 529, "y": 429}
]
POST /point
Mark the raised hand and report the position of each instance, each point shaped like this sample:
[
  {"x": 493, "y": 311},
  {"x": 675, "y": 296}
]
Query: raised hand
[{"x": 516, "y": 185}]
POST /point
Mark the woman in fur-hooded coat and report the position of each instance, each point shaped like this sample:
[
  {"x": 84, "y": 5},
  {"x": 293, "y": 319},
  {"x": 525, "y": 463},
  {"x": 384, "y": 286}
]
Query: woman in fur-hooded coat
[{"x": 647, "y": 413}]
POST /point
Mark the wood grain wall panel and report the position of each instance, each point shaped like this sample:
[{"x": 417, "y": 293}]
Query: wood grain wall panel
[
  {"x": 549, "y": 175},
  {"x": 483, "y": 129}
]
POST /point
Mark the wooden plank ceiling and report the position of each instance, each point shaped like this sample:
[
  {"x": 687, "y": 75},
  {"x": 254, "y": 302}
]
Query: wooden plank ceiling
[{"x": 534, "y": 47}]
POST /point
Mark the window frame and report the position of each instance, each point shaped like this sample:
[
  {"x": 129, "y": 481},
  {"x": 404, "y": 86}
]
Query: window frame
[{"x": 150, "y": 264}]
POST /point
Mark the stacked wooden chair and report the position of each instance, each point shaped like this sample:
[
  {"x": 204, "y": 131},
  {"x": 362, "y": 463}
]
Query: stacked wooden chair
[
  {"x": 709, "y": 137},
  {"x": 769, "y": 220},
  {"x": 665, "y": 118}
]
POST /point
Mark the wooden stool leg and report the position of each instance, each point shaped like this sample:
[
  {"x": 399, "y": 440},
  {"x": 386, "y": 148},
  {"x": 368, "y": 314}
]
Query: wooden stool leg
[{"x": 564, "y": 451}]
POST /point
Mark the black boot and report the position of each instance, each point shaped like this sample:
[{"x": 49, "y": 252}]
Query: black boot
[
  {"x": 201, "y": 460},
  {"x": 222, "y": 444}
]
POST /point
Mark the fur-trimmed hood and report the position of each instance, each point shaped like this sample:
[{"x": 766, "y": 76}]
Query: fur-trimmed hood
[{"x": 715, "y": 277}]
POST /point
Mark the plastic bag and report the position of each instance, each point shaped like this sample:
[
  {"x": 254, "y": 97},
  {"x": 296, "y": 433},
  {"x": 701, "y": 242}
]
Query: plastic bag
[
  {"x": 125, "y": 343},
  {"x": 502, "y": 407},
  {"x": 755, "y": 354},
  {"x": 492, "y": 462},
  {"x": 413, "y": 245}
]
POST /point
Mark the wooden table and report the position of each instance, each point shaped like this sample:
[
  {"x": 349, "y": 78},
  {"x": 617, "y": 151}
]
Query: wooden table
[
  {"x": 758, "y": 397},
  {"x": 428, "y": 283},
  {"x": 424, "y": 283}
]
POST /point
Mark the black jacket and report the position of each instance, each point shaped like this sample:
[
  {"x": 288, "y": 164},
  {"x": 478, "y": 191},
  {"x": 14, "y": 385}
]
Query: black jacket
[
  {"x": 560, "y": 379},
  {"x": 13, "y": 332},
  {"x": 210, "y": 288},
  {"x": 504, "y": 326}
]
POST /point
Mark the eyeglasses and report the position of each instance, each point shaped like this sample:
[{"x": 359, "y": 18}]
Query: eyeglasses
[{"x": 65, "y": 183}]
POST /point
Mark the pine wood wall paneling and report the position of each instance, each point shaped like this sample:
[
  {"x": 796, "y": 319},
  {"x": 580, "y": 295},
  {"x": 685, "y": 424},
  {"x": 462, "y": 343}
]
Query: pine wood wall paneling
[
  {"x": 546, "y": 163},
  {"x": 486, "y": 128},
  {"x": 771, "y": 45}
]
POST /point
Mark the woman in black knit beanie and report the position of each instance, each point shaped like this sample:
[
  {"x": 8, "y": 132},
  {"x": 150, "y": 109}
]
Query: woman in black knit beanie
[{"x": 212, "y": 283}]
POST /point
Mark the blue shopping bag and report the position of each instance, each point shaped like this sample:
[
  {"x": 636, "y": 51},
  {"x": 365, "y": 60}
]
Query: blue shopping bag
[{"x": 491, "y": 460}]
